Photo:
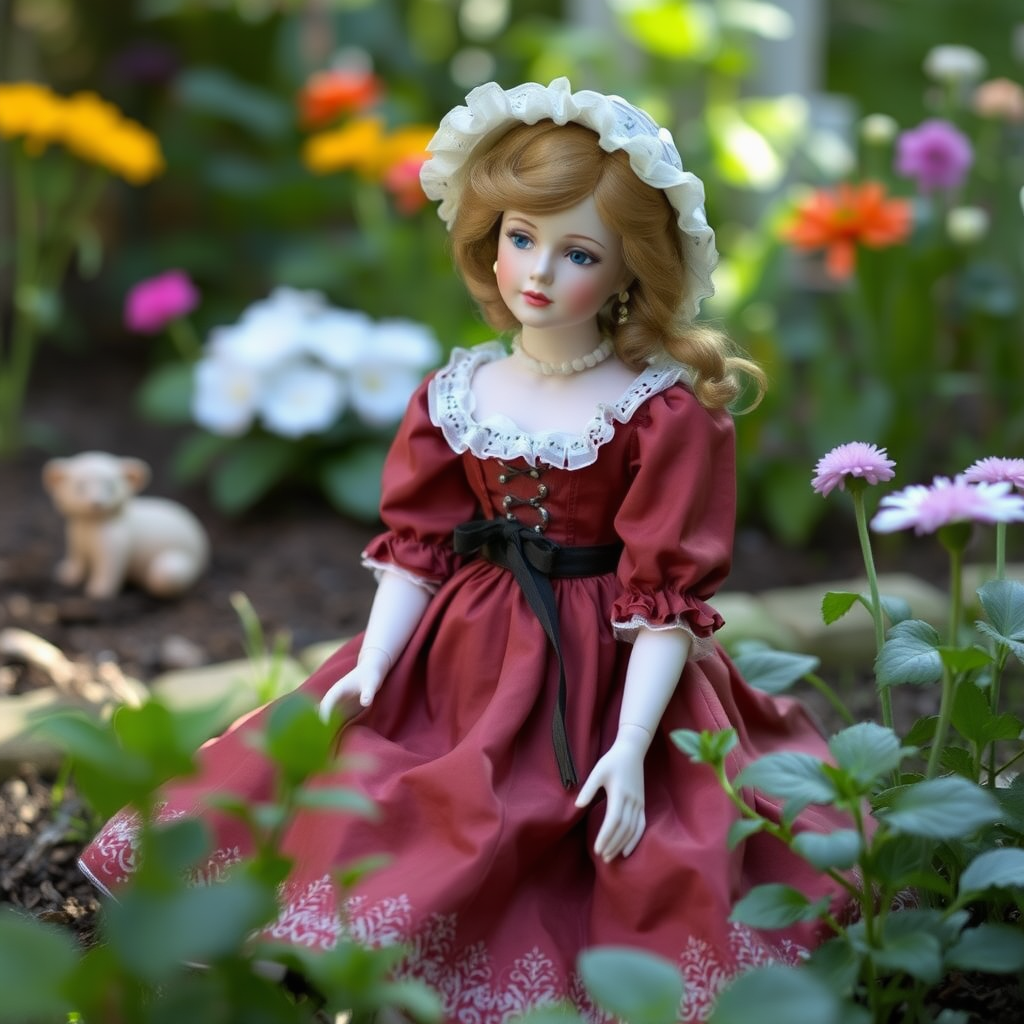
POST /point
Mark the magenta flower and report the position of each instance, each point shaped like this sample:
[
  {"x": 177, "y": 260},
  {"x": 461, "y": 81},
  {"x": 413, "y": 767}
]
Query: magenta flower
[
  {"x": 856, "y": 459},
  {"x": 947, "y": 501},
  {"x": 935, "y": 154},
  {"x": 994, "y": 470},
  {"x": 155, "y": 302}
]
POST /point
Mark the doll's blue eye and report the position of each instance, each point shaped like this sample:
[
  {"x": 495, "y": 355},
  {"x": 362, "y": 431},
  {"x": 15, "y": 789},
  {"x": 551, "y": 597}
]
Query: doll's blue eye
[
  {"x": 518, "y": 239},
  {"x": 581, "y": 258}
]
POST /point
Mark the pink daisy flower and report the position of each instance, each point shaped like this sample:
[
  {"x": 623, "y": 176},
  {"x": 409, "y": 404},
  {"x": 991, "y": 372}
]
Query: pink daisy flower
[
  {"x": 995, "y": 470},
  {"x": 926, "y": 509},
  {"x": 856, "y": 459}
]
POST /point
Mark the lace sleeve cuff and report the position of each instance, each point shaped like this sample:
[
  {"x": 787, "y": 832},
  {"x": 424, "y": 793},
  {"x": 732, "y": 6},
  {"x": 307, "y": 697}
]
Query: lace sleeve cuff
[
  {"x": 378, "y": 567},
  {"x": 700, "y": 646}
]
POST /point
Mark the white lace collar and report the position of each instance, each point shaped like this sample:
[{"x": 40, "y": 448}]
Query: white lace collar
[{"x": 452, "y": 404}]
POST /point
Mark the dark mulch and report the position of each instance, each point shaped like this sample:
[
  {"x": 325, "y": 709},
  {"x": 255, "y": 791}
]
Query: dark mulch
[{"x": 298, "y": 563}]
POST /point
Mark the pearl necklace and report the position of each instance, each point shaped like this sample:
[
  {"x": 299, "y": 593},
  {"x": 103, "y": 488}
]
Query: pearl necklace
[{"x": 570, "y": 366}]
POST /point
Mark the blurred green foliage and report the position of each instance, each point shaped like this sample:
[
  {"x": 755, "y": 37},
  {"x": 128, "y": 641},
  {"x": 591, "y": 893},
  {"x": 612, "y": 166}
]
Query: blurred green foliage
[{"x": 219, "y": 80}]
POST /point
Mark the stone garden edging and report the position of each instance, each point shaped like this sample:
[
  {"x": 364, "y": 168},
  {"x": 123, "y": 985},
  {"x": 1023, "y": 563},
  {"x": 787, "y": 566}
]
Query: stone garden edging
[{"x": 787, "y": 618}]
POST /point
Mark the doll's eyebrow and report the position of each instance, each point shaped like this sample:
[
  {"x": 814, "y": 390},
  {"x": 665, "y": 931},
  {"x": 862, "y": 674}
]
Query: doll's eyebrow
[{"x": 533, "y": 227}]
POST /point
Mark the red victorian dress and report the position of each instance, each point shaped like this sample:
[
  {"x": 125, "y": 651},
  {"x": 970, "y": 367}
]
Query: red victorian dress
[{"x": 490, "y": 879}]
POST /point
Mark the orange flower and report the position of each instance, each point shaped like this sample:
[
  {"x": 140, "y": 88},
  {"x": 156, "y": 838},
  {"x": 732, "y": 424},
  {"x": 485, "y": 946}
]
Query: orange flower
[
  {"x": 838, "y": 220},
  {"x": 330, "y": 93}
]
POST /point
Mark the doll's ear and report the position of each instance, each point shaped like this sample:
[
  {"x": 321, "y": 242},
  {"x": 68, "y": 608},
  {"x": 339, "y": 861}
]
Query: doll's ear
[
  {"x": 136, "y": 474},
  {"x": 54, "y": 472}
]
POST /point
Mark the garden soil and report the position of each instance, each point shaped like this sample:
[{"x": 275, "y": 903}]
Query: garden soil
[{"x": 293, "y": 557}]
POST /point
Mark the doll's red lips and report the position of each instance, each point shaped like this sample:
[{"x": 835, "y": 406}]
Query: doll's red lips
[{"x": 536, "y": 299}]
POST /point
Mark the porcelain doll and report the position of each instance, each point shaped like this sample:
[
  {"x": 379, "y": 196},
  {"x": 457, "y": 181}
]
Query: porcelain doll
[{"x": 558, "y": 519}]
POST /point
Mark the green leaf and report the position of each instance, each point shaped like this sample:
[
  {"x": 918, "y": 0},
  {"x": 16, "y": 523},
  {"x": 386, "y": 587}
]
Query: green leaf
[
  {"x": 635, "y": 986},
  {"x": 1011, "y": 799},
  {"x": 910, "y": 655},
  {"x": 776, "y": 995},
  {"x": 742, "y": 829},
  {"x": 992, "y": 948},
  {"x": 867, "y": 751},
  {"x": 352, "y": 481},
  {"x": 36, "y": 961},
  {"x": 837, "y": 964},
  {"x": 154, "y": 932},
  {"x": 216, "y": 92},
  {"x": 705, "y": 747},
  {"x": 916, "y": 952},
  {"x": 959, "y": 761},
  {"x": 838, "y": 849},
  {"x": 672, "y": 30},
  {"x": 897, "y": 609},
  {"x": 798, "y": 778},
  {"x": 776, "y": 906},
  {"x": 337, "y": 798},
  {"x": 836, "y": 604},
  {"x": 994, "y": 869},
  {"x": 296, "y": 739},
  {"x": 897, "y": 861},
  {"x": 165, "y": 396},
  {"x": 964, "y": 659},
  {"x": 249, "y": 471},
  {"x": 947, "y": 808},
  {"x": 922, "y": 732},
  {"x": 973, "y": 718},
  {"x": 774, "y": 671},
  {"x": 1003, "y": 601},
  {"x": 197, "y": 453}
]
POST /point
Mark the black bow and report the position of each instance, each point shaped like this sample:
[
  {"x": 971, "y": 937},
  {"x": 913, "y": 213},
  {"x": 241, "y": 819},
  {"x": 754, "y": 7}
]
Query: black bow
[{"x": 531, "y": 558}]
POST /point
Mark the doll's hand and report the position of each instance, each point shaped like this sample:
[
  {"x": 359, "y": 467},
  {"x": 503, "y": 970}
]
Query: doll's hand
[
  {"x": 621, "y": 774},
  {"x": 361, "y": 683}
]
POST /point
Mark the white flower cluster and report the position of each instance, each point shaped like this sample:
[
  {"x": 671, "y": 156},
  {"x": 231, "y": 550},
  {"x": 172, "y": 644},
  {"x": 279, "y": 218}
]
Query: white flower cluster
[{"x": 296, "y": 364}]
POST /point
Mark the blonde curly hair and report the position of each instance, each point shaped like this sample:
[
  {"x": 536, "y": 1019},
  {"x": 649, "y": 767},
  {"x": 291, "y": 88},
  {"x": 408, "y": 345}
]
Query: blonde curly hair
[{"x": 545, "y": 168}]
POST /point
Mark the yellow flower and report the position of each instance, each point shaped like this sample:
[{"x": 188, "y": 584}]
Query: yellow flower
[
  {"x": 32, "y": 112},
  {"x": 351, "y": 147},
  {"x": 362, "y": 146},
  {"x": 405, "y": 144},
  {"x": 97, "y": 131},
  {"x": 90, "y": 127}
]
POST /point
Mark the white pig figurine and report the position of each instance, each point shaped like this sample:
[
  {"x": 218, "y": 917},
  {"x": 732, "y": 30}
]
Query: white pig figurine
[{"x": 114, "y": 537}]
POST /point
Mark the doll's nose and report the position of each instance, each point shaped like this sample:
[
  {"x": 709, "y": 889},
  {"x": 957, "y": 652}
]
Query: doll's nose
[{"x": 542, "y": 267}]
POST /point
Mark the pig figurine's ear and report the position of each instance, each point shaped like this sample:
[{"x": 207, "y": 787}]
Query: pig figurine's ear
[
  {"x": 54, "y": 473},
  {"x": 136, "y": 474}
]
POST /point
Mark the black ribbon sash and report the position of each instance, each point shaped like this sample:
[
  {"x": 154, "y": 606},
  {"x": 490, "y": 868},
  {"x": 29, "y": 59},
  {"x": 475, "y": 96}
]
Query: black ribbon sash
[{"x": 534, "y": 560}]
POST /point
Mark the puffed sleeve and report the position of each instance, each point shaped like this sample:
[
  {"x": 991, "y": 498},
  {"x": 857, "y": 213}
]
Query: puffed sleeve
[
  {"x": 677, "y": 519},
  {"x": 424, "y": 496}
]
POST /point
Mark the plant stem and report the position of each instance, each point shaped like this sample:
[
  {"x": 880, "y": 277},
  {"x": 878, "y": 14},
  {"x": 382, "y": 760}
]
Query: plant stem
[
  {"x": 14, "y": 374},
  {"x": 876, "y": 604},
  {"x": 1000, "y": 551},
  {"x": 830, "y": 695},
  {"x": 956, "y": 564},
  {"x": 945, "y": 716}
]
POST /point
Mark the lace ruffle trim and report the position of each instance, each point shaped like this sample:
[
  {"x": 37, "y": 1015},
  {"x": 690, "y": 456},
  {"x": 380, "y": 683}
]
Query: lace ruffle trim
[
  {"x": 378, "y": 567},
  {"x": 451, "y": 406},
  {"x": 700, "y": 646}
]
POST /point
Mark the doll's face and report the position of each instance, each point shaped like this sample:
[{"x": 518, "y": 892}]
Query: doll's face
[{"x": 558, "y": 269}]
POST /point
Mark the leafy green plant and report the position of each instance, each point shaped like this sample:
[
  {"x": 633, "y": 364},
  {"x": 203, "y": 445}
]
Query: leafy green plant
[
  {"x": 160, "y": 922},
  {"x": 935, "y": 874}
]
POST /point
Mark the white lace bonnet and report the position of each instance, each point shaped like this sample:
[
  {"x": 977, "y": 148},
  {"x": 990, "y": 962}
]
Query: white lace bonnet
[{"x": 491, "y": 111}]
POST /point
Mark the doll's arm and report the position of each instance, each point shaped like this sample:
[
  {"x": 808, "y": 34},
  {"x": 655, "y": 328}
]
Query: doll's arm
[
  {"x": 397, "y": 608},
  {"x": 655, "y": 665}
]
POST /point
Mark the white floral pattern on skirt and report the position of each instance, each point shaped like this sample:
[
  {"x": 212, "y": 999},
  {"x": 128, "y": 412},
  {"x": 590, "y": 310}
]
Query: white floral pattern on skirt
[{"x": 470, "y": 988}]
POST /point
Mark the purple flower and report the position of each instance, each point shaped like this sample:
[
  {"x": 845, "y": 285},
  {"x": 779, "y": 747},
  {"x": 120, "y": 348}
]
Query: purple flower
[
  {"x": 936, "y": 154},
  {"x": 854, "y": 459},
  {"x": 994, "y": 470},
  {"x": 153, "y": 303},
  {"x": 947, "y": 501}
]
